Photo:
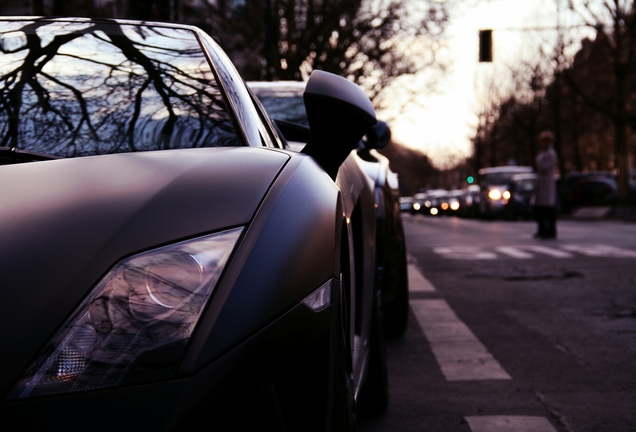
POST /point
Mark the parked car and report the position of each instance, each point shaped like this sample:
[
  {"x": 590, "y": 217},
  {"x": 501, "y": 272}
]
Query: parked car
[
  {"x": 494, "y": 183},
  {"x": 167, "y": 262},
  {"x": 596, "y": 190},
  {"x": 283, "y": 101},
  {"x": 580, "y": 189}
]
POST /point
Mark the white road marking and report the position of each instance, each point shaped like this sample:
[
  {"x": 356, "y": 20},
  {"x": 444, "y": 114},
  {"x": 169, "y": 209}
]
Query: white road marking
[
  {"x": 531, "y": 251},
  {"x": 460, "y": 355},
  {"x": 599, "y": 250},
  {"x": 464, "y": 252},
  {"x": 509, "y": 424},
  {"x": 417, "y": 281},
  {"x": 514, "y": 252},
  {"x": 553, "y": 252}
]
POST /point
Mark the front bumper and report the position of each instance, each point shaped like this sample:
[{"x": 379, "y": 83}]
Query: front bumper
[{"x": 230, "y": 391}]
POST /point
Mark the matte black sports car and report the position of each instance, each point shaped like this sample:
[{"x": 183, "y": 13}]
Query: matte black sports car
[
  {"x": 283, "y": 100},
  {"x": 167, "y": 264}
]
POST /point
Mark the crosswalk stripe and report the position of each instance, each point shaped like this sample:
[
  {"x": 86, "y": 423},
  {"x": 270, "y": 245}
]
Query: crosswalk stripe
[
  {"x": 514, "y": 252},
  {"x": 532, "y": 251},
  {"x": 509, "y": 424},
  {"x": 460, "y": 355},
  {"x": 599, "y": 250},
  {"x": 417, "y": 281},
  {"x": 555, "y": 253}
]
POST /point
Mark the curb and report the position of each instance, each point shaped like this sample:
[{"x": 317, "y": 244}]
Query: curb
[{"x": 625, "y": 213}]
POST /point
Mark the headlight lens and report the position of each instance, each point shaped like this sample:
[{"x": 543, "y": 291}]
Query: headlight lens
[
  {"x": 144, "y": 303},
  {"x": 319, "y": 299},
  {"x": 494, "y": 194}
]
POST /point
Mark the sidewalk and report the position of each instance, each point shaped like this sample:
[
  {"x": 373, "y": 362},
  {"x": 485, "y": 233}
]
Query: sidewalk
[{"x": 625, "y": 213}]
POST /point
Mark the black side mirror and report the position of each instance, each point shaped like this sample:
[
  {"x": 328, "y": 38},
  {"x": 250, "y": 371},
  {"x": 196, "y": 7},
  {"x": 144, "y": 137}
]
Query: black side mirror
[
  {"x": 378, "y": 136},
  {"x": 339, "y": 115}
]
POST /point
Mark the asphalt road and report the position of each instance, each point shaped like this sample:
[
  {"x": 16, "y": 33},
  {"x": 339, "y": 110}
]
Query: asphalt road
[{"x": 509, "y": 333}]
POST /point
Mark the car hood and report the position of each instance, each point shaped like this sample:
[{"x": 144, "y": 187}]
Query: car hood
[{"x": 64, "y": 223}]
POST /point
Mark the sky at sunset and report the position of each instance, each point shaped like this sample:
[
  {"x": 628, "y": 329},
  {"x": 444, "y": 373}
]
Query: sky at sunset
[{"x": 441, "y": 125}]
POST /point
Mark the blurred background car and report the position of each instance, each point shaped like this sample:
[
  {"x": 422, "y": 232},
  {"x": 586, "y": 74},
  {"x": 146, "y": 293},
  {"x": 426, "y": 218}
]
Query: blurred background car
[
  {"x": 418, "y": 203},
  {"x": 522, "y": 190},
  {"x": 283, "y": 101},
  {"x": 494, "y": 183},
  {"x": 454, "y": 201},
  {"x": 594, "y": 188},
  {"x": 436, "y": 202},
  {"x": 470, "y": 201},
  {"x": 406, "y": 203}
]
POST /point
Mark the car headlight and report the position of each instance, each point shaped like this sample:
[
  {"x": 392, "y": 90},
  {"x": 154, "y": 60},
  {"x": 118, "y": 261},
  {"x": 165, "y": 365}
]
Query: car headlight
[
  {"x": 144, "y": 303},
  {"x": 494, "y": 194}
]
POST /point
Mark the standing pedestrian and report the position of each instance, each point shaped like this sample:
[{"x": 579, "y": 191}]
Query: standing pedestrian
[{"x": 545, "y": 205}]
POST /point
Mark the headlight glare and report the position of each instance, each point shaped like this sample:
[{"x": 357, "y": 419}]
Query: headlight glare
[
  {"x": 145, "y": 302},
  {"x": 494, "y": 194}
]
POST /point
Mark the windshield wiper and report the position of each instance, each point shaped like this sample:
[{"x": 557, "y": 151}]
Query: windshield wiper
[{"x": 12, "y": 155}]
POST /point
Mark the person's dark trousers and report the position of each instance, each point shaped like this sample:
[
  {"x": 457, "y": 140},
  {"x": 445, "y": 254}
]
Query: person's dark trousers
[{"x": 546, "y": 221}]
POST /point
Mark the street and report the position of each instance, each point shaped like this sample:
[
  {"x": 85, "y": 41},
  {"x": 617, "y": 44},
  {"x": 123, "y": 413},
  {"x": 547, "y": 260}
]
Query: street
[{"x": 511, "y": 333}]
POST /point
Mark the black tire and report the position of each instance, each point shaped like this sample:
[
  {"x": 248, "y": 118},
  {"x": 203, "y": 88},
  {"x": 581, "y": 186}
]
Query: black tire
[
  {"x": 396, "y": 312},
  {"x": 341, "y": 404},
  {"x": 374, "y": 394}
]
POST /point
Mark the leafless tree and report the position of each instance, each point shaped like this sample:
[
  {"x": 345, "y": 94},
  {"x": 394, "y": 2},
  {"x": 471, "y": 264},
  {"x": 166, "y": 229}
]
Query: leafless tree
[
  {"x": 369, "y": 41},
  {"x": 614, "y": 87}
]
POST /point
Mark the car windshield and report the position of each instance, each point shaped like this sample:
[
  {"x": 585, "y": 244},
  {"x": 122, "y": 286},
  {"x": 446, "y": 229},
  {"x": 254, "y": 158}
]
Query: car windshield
[
  {"x": 498, "y": 178},
  {"x": 282, "y": 101},
  {"x": 526, "y": 185},
  {"x": 85, "y": 88}
]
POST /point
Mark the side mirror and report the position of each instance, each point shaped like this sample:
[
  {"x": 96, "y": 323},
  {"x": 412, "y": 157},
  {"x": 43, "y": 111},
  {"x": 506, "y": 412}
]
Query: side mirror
[
  {"x": 339, "y": 115},
  {"x": 378, "y": 136}
]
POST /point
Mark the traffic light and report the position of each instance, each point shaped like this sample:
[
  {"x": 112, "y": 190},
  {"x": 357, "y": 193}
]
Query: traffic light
[
  {"x": 485, "y": 45},
  {"x": 470, "y": 179}
]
